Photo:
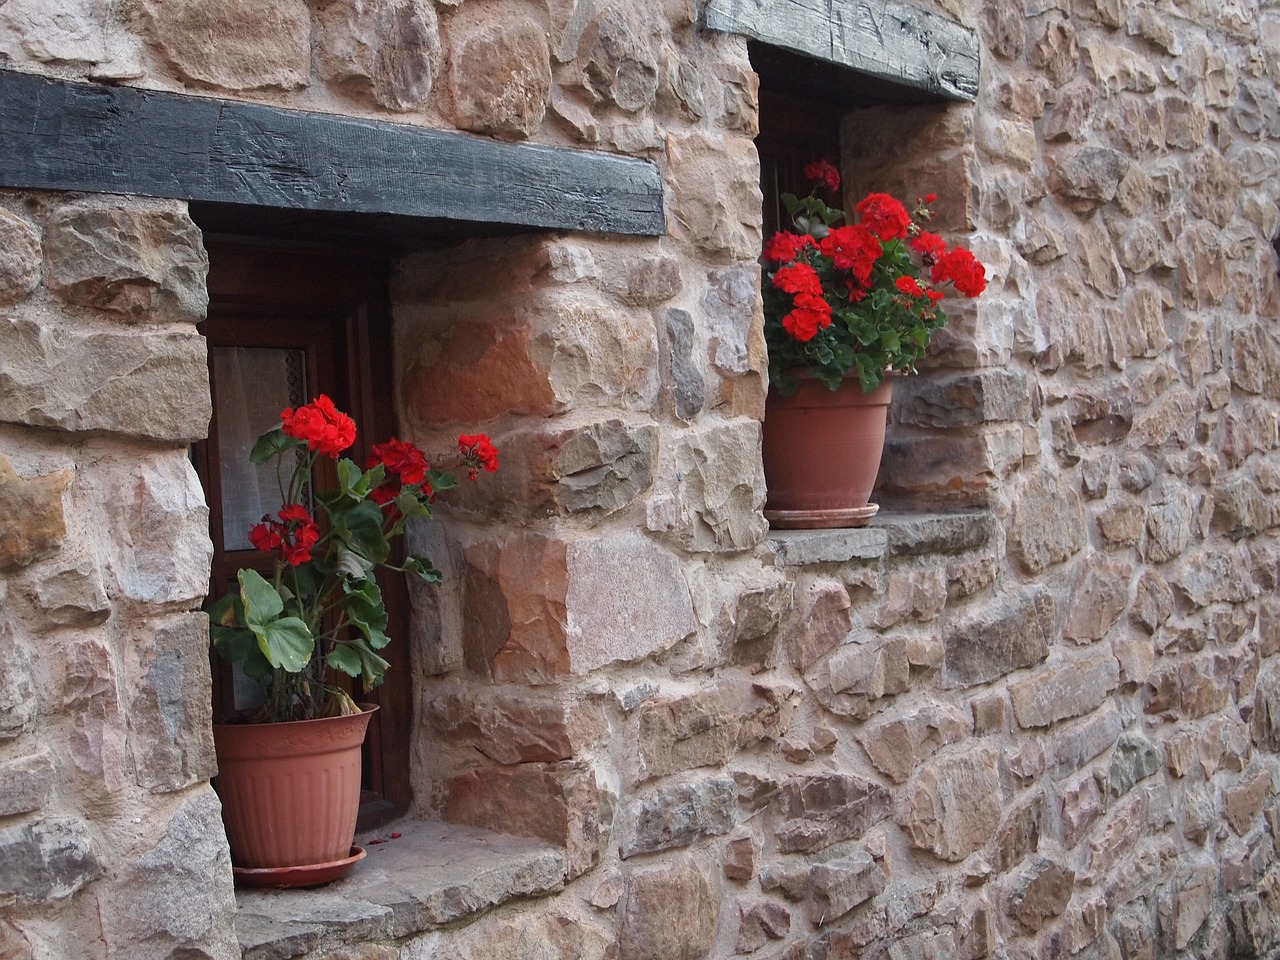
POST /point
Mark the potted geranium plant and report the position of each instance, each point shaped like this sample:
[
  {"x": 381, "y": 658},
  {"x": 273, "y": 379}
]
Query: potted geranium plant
[
  {"x": 289, "y": 773},
  {"x": 845, "y": 306}
]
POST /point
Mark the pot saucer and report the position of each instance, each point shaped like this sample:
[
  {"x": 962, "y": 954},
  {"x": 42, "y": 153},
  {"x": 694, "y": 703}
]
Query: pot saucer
[
  {"x": 821, "y": 519},
  {"x": 308, "y": 875}
]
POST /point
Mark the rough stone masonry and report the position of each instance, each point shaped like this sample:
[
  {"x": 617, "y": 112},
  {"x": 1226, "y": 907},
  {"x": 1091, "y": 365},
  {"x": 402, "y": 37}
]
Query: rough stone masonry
[{"x": 1033, "y": 712}]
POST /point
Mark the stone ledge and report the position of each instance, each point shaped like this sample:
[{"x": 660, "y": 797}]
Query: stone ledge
[
  {"x": 431, "y": 875},
  {"x": 889, "y": 534}
]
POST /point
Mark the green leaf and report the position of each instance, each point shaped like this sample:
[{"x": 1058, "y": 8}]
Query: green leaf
[
  {"x": 351, "y": 566},
  {"x": 425, "y": 569},
  {"x": 411, "y": 505},
  {"x": 354, "y": 658},
  {"x": 441, "y": 480},
  {"x": 284, "y": 641},
  {"x": 366, "y": 611},
  {"x": 261, "y": 601},
  {"x": 272, "y": 444},
  {"x": 360, "y": 528}
]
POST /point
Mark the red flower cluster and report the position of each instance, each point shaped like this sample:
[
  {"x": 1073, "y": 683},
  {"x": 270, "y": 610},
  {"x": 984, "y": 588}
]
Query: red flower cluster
[
  {"x": 404, "y": 464},
  {"x": 963, "y": 269},
  {"x": 823, "y": 172},
  {"x": 784, "y": 247},
  {"x": 854, "y": 249},
  {"x": 290, "y": 538},
  {"x": 323, "y": 426},
  {"x": 478, "y": 452},
  {"x": 884, "y": 216}
]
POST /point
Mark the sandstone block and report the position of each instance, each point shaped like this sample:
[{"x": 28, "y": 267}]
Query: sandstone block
[
  {"x": 953, "y": 808},
  {"x": 739, "y": 858},
  {"x": 820, "y": 623},
  {"x": 1169, "y": 528},
  {"x": 386, "y": 50},
  {"x": 26, "y": 784},
  {"x": 73, "y": 596},
  {"x": 688, "y": 387},
  {"x": 1048, "y": 524},
  {"x": 619, "y": 64},
  {"x": 170, "y": 715},
  {"x": 953, "y": 468},
  {"x": 1104, "y": 417},
  {"x": 1115, "y": 840},
  {"x": 175, "y": 888},
  {"x": 558, "y": 803},
  {"x": 142, "y": 264},
  {"x": 1243, "y": 803},
  {"x": 152, "y": 385},
  {"x": 1240, "y": 509},
  {"x": 1255, "y": 360},
  {"x": 729, "y": 309},
  {"x": 233, "y": 44},
  {"x": 516, "y": 726},
  {"x": 760, "y": 921},
  {"x": 20, "y": 255},
  {"x": 678, "y": 815},
  {"x": 859, "y": 674},
  {"x": 647, "y": 281},
  {"x": 1264, "y": 723},
  {"x": 1071, "y": 686},
  {"x": 815, "y": 812},
  {"x": 91, "y": 696},
  {"x": 720, "y": 491},
  {"x": 35, "y": 524},
  {"x": 1081, "y": 809},
  {"x": 1056, "y": 51},
  {"x": 898, "y": 745},
  {"x": 1041, "y": 893},
  {"x": 1152, "y": 603},
  {"x": 918, "y": 595},
  {"x": 837, "y": 886},
  {"x": 961, "y": 399},
  {"x": 1134, "y": 758},
  {"x": 1087, "y": 177},
  {"x": 1224, "y": 745},
  {"x": 670, "y": 913},
  {"x": 1202, "y": 267},
  {"x": 1193, "y": 903},
  {"x": 1019, "y": 836},
  {"x": 46, "y": 860},
  {"x": 1102, "y": 593},
  {"x": 714, "y": 195},
  {"x": 1012, "y": 634},
  {"x": 501, "y": 79},
  {"x": 18, "y": 701},
  {"x": 1214, "y": 577},
  {"x": 599, "y": 468},
  {"x": 1075, "y": 744},
  {"x": 543, "y": 607},
  {"x": 1122, "y": 524}
]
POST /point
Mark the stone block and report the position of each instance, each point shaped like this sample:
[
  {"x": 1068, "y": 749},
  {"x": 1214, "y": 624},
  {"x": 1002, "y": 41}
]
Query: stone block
[
  {"x": 714, "y": 195},
  {"x": 1075, "y": 744},
  {"x": 74, "y": 595},
  {"x": 1081, "y": 809},
  {"x": 1070, "y": 686},
  {"x": 151, "y": 385},
  {"x": 46, "y": 860},
  {"x": 1041, "y": 893},
  {"x": 500, "y": 79},
  {"x": 540, "y": 607},
  {"x": 170, "y": 715},
  {"x": 730, "y": 311},
  {"x": 820, "y": 622},
  {"x": 1135, "y": 758},
  {"x": 953, "y": 807},
  {"x": 1019, "y": 835},
  {"x": 897, "y": 745},
  {"x": 918, "y": 595},
  {"x": 558, "y": 803},
  {"x": 760, "y": 921},
  {"x": 859, "y": 674},
  {"x": 20, "y": 255},
  {"x": 1122, "y": 525},
  {"x": 1048, "y": 524},
  {"x": 1243, "y": 803},
  {"x": 174, "y": 892},
  {"x": 646, "y": 281},
  {"x": 36, "y": 522},
  {"x": 18, "y": 701},
  {"x": 1011, "y": 633},
  {"x": 1152, "y": 603},
  {"x": 837, "y": 886},
  {"x": 961, "y": 399},
  {"x": 1214, "y": 577},
  {"x": 1224, "y": 744},
  {"x": 594, "y": 470},
  {"x": 678, "y": 815},
  {"x": 670, "y": 912},
  {"x": 719, "y": 491},
  {"x": 799, "y": 548},
  {"x": 97, "y": 740},
  {"x": 1264, "y": 723},
  {"x": 387, "y": 51},
  {"x": 814, "y": 812},
  {"x": 1101, "y": 596},
  {"x": 26, "y": 783},
  {"x": 739, "y": 858},
  {"x": 688, "y": 386},
  {"x": 1240, "y": 509},
  {"x": 1115, "y": 839},
  {"x": 516, "y": 725},
  {"x": 950, "y": 468},
  {"x": 1085, "y": 178},
  {"x": 233, "y": 44},
  {"x": 139, "y": 264}
]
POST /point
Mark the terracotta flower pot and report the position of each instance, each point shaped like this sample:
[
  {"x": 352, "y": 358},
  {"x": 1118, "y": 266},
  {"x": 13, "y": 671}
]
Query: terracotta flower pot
[
  {"x": 821, "y": 452},
  {"x": 291, "y": 792}
]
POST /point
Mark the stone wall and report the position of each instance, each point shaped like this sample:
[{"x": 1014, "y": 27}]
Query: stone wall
[{"x": 1029, "y": 713}]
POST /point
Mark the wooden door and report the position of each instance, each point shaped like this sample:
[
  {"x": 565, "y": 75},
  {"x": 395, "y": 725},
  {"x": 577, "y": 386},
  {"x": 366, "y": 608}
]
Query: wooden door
[{"x": 285, "y": 324}]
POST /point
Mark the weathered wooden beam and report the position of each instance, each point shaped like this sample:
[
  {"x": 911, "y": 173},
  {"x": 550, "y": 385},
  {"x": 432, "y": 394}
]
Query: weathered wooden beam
[
  {"x": 56, "y": 135},
  {"x": 884, "y": 38}
]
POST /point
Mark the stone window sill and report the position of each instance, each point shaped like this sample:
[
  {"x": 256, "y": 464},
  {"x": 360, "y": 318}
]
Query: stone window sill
[
  {"x": 431, "y": 875},
  {"x": 888, "y": 535}
]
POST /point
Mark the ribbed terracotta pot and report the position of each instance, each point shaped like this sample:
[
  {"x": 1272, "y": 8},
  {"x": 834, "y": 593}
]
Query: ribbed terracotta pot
[
  {"x": 821, "y": 452},
  {"x": 290, "y": 791}
]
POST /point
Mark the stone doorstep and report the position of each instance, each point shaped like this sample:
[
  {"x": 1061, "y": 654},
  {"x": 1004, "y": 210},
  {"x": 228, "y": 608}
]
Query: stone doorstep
[
  {"x": 430, "y": 875},
  {"x": 894, "y": 534}
]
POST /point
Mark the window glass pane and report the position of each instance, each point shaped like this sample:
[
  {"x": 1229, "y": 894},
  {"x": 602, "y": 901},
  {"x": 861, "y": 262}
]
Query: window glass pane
[{"x": 251, "y": 386}]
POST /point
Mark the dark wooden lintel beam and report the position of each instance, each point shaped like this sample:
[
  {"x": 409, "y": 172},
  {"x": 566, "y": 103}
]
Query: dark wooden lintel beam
[
  {"x": 56, "y": 135},
  {"x": 889, "y": 39}
]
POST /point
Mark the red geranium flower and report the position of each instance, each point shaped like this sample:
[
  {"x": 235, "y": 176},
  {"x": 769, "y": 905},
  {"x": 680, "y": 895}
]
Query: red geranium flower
[
  {"x": 810, "y": 314},
  {"x": 478, "y": 451},
  {"x": 909, "y": 285},
  {"x": 964, "y": 271},
  {"x": 404, "y": 464},
  {"x": 852, "y": 248},
  {"x": 290, "y": 538},
  {"x": 930, "y": 246},
  {"x": 823, "y": 172},
  {"x": 323, "y": 426},
  {"x": 798, "y": 278},
  {"x": 784, "y": 247},
  {"x": 884, "y": 216}
]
